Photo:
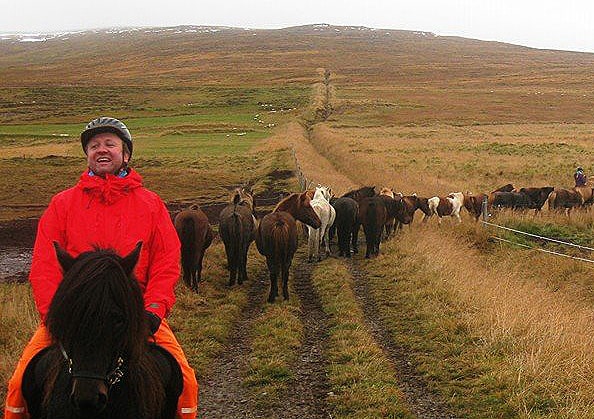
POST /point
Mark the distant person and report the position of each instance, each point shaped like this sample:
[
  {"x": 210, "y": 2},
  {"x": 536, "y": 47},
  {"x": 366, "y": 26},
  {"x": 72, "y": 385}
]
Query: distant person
[
  {"x": 110, "y": 208},
  {"x": 580, "y": 177}
]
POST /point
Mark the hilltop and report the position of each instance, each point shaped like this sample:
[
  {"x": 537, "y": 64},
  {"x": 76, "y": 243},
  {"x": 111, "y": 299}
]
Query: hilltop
[{"x": 195, "y": 55}]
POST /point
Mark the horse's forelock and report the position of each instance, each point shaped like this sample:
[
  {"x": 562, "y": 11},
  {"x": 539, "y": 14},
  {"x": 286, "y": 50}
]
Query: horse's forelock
[{"x": 94, "y": 288}]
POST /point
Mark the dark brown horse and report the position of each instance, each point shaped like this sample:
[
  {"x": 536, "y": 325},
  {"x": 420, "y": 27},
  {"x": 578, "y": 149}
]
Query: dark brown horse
[
  {"x": 410, "y": 204},
  {"x": 276, "y": 237},
  {"x": 358, "y": 195},
  {"x": 237, "y": 225},
  {"x": 373, "y": 216},
  {"x": 195, "y": 235},
  {"x": 505, "y": 188},
  {"x": 101, "y": 364}
]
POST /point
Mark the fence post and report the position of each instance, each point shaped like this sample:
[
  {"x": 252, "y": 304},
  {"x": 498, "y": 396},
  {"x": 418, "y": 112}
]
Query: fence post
[{"x": 484, "y": 208}]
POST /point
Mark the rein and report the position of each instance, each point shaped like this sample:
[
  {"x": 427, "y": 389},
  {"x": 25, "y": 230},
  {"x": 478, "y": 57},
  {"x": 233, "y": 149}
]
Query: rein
[{"x": 111, "y": 378}]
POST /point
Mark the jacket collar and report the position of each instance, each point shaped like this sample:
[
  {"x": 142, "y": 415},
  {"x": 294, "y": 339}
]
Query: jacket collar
[{"x": 111, "y": 188}]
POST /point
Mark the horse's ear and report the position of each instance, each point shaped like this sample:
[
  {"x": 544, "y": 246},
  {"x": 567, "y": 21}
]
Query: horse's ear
[
  {"x": 129, "y": 261},
  {"x": 64, "y": 258}
]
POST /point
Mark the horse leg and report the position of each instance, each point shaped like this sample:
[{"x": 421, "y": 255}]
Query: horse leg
[
  {"x": 242, "y": 276},
  {"x": 232, "y": 262},
  {"x": 198, "y": 276},
  {"x": 355, "y": 238},
  {"x": 318, "y": 236},
  {"x": 272, "y": 268},
  {"x": 285, "y": 274},
  {"x": 310, "y": 243},
  {"x": 327, "y": 240}
]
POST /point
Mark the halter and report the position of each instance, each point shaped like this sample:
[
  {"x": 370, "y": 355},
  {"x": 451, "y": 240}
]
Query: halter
[{"x": 112, "y": 377}]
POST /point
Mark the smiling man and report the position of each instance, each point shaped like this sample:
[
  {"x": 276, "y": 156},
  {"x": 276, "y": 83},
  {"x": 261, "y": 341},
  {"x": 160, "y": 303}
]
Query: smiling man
[{"x": 109, "y": 208}]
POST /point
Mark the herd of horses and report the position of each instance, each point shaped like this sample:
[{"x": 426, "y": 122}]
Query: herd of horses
[
  {"x": 324, "y": 215},
  {"x": 97, "y": 321}
]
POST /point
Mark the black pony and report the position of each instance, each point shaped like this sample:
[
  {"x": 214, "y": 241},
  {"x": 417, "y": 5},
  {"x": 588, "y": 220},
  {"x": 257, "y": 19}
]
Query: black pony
[
  {"x": 101, "y": 364},
  {"x": 345, "y": 223},
  {"x": 237, "y": 226},
  {"x": 358, "y": 195}
]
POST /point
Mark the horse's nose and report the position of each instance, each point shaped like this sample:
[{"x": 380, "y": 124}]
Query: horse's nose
[{"x": 89, "y": 399}]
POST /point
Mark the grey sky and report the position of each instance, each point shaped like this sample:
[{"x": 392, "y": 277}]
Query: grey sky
[{"x": 558, "y": 24}]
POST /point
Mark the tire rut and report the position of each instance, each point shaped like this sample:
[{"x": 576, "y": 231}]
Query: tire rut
[
  {"x": 423, "y": 402},
  {"x": 307, "y": 393},
  {"x": 221, "y": 392}
]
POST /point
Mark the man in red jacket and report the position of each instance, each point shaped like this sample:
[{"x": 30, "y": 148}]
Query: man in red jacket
[{"x": 109, "y": 208}]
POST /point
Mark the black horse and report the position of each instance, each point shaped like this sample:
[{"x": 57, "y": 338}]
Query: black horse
[
  {"x": 101, "y": 364},
  {"x": 345, "y": 223},
  {"x": 358, "y": 195}
]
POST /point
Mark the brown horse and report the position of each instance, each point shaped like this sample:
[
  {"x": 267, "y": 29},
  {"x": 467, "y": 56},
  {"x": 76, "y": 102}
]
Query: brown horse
[
  {"x": 565, "y": 200},
  {"x": 474, "y": 204},
  {"x": 237, "y": 225},
  {"x": 411, "y": 203},
  {"x": 276, "y": 237},
  {"x": 373, "y": 215},
  {"x": 195, "y": 235}
]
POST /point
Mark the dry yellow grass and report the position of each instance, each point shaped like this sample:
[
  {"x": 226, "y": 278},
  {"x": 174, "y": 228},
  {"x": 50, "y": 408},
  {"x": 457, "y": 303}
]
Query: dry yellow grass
[
  {"x": 541, "y": 333},
  {"x": 19, "y": 320}
]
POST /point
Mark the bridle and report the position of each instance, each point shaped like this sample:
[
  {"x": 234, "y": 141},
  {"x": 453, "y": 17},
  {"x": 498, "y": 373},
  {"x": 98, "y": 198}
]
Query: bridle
[{"x": 111, "y": 378}]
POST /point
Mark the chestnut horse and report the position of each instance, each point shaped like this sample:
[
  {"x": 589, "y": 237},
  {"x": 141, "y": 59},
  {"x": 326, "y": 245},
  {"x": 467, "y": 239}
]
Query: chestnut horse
[
  {"x": 237, "y": 225},
  {"x": 276, "y": 237},
  {"x": 195, "y": 235}
]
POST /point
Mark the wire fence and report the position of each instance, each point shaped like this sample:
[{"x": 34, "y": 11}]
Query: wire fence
[
  {"x": 536, "y": 236},
  {"x": 304, "y": 182}
]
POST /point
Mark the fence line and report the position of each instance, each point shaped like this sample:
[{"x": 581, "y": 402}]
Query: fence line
[
  {"x": 539, "y": 237},
  {"x": 304, "y": 182},
  {"x": 485, "y": 222},
  {"x": 543, "y": 250}
]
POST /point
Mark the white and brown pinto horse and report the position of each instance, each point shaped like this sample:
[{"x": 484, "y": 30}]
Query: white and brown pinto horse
[
  {"x": 446, "y": 206},
  {"x": 327, "y": 214}
]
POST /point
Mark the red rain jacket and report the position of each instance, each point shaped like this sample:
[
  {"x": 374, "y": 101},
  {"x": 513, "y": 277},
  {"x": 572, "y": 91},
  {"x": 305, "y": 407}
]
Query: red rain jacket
[{"x": 112, "y": 213}]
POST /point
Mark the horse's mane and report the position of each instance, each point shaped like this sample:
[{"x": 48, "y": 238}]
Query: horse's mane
[
  {"x": 357, "y": 192},
  {"x": 95, "y": 287}
]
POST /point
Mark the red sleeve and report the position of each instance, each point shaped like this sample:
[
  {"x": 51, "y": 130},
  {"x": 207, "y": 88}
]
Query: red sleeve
[
  {"x": 164, "y": 269},
  {"x": 46, "y": 273}
]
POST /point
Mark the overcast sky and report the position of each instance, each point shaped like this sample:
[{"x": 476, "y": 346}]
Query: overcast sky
[{"x": 559, "y": 24}]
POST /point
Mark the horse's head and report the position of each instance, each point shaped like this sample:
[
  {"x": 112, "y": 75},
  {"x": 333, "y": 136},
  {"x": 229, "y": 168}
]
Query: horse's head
[
  {"x": 243, "y": 196},
  {"x": 323, "y": 191},
  {"x": 299, "y": 206},
  {"x": 96, "y": 319}
]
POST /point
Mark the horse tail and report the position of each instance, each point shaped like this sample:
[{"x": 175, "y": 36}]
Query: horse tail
[
  {"x": 280, "y": 241},
  {"x": 187, "y": 237},
  {"x": 236, "y": 237}
]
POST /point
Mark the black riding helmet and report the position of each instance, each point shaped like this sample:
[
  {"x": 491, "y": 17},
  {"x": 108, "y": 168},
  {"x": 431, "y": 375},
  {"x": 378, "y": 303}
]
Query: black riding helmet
[{"x": 106, "y": 124}]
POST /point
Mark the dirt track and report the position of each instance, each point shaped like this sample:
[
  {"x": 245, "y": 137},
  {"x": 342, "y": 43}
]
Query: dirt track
[{"x": 222, "y": 394}]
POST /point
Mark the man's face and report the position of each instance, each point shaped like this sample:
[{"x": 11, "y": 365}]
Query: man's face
[{"x": 105, "y": 154}]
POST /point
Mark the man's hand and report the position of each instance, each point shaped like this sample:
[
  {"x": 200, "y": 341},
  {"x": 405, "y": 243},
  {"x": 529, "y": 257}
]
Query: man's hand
[{"x": 153, "y": 321}]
